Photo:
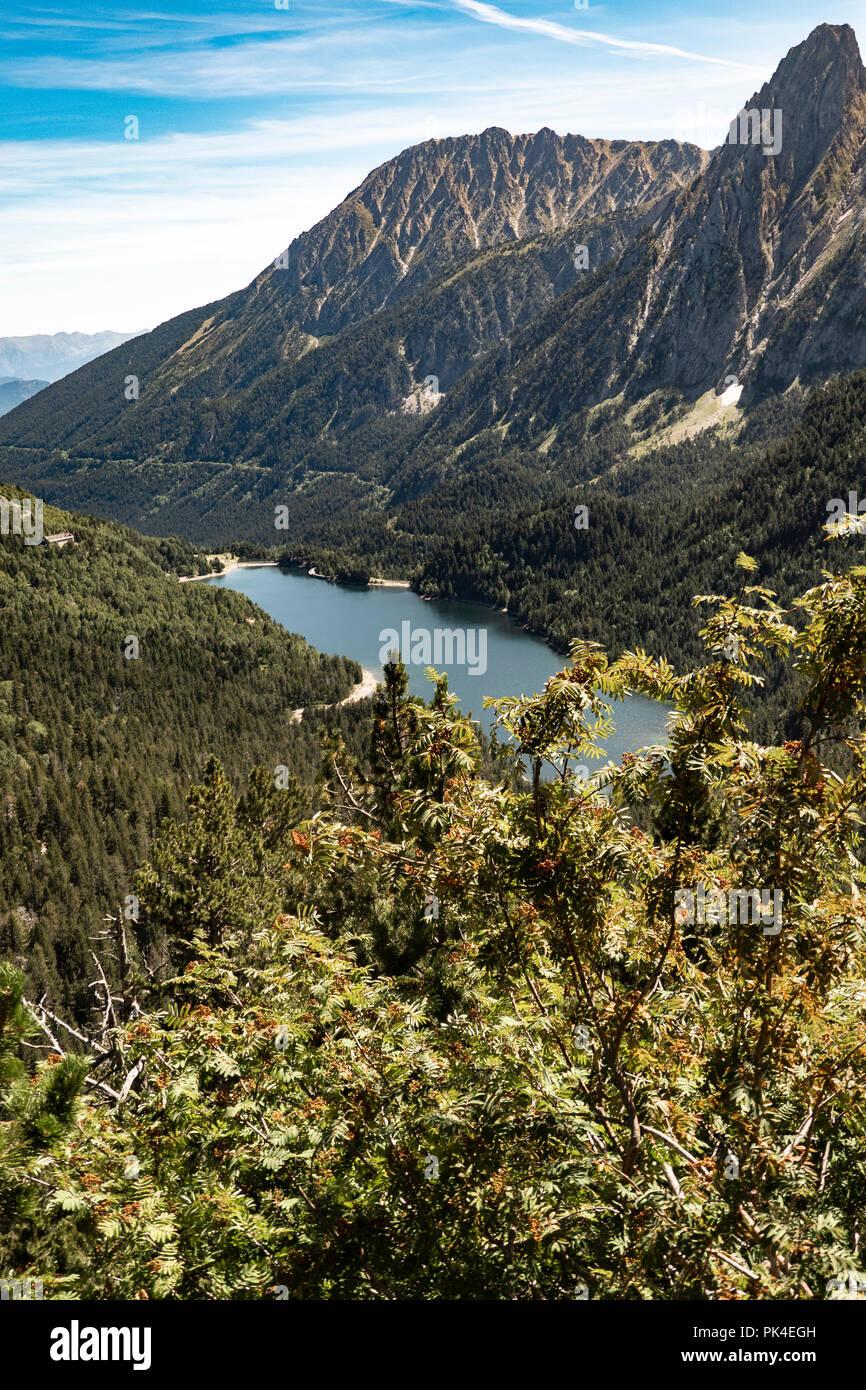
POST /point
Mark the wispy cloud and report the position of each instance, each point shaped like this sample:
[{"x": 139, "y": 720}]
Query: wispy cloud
[
  {"x": 336, "y": 58},
  {"x": 93, "y": 230},
  {"x": 491, "y": 14}
]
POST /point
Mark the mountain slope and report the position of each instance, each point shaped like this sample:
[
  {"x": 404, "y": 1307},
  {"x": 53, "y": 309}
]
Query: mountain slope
[
  {"x": 97, "y": 749},
  {"x": 628, "y": 578},
  {"x": 411, "y": 221}
]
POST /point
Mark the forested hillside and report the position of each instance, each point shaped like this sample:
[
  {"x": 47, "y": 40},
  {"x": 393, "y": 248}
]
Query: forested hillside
[
  {"x": 97, "y": 749},
  {"x": 626, "y": 578},
  {"x": 451, "y": 1040}
]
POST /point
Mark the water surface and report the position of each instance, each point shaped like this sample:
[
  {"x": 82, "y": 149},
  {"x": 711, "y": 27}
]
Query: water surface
[{"x": 349, "y": 620}]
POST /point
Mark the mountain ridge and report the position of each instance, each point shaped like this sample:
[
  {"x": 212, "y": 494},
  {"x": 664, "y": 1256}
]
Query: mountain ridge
[
  {"x": 13, "y": 391},
  {"x": 455, "y": 262},
  {"x": 230, "y": 344}
]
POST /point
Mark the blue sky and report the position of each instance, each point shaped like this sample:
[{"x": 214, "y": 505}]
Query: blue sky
[{"x": 257, "y": 116}]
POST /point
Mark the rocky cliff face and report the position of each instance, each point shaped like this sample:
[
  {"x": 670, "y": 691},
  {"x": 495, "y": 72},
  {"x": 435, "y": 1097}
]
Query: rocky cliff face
[
  {"x": 761, "y": 240},
  {"x": 754, "y": 270},
  {"x": 418, "y": 216},
  {"x": 413, "y": 216}
]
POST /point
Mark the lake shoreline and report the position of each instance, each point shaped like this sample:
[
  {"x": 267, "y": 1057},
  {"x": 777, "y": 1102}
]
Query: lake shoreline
[
  {"x": 363, "y": 690},
  {"x": 373, "y": 583},
  {"x": 376, "y": 583},
  {"x": 355, "y": 620},
  {"x": 233, "y": 565}
]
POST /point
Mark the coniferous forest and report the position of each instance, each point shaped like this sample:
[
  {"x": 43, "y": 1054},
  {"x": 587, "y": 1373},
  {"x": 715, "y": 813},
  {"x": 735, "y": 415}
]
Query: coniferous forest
[
  {"x": 98, "y": 749},
  {"x": 561, "y": 1083}
]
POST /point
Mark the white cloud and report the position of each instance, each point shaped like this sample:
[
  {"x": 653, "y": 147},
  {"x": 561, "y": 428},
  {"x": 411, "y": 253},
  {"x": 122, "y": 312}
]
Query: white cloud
[
  {"x": 335, "y": 56},
  {"x": 491, "y": 14},
  {"x": 131, "y": 234}
]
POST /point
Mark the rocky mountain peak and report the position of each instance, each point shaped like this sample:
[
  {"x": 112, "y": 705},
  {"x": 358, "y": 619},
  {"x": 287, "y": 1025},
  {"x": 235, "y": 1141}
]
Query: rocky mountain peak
[
  {"x": 742, "y": 256},
  {"x": 829, "y": 56},
  {"x": 412, "y": 215},
  {"x": 814, "y": 99}
]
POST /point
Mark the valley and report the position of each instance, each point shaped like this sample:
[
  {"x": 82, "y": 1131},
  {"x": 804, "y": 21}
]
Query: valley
[
  {"x": 433, "y": 670},
  {"x": 556, "y": 387}
]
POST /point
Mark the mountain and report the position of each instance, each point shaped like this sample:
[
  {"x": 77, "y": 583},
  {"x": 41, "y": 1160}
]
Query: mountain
[
  {"x": 13, "y": 392},
  {"x": 50, "y": 356},
  {"x": 754, "y": 271},
  {"x": 415, "y": 215},
  {"x": 438, "y": 255},
  {"x": 459, "y": 261}
]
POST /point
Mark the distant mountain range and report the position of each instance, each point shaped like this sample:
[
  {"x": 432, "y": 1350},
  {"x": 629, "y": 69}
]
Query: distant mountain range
[
  {"x": 13, "y": 392},
  {"x": 484, "y": 327},
  {"x": 50, "y": 356}
]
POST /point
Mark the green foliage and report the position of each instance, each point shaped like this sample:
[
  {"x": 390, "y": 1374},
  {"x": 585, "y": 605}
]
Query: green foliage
[
  {"x": 96, "y": 751},
  {"x": 554, "y": 1084}
]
